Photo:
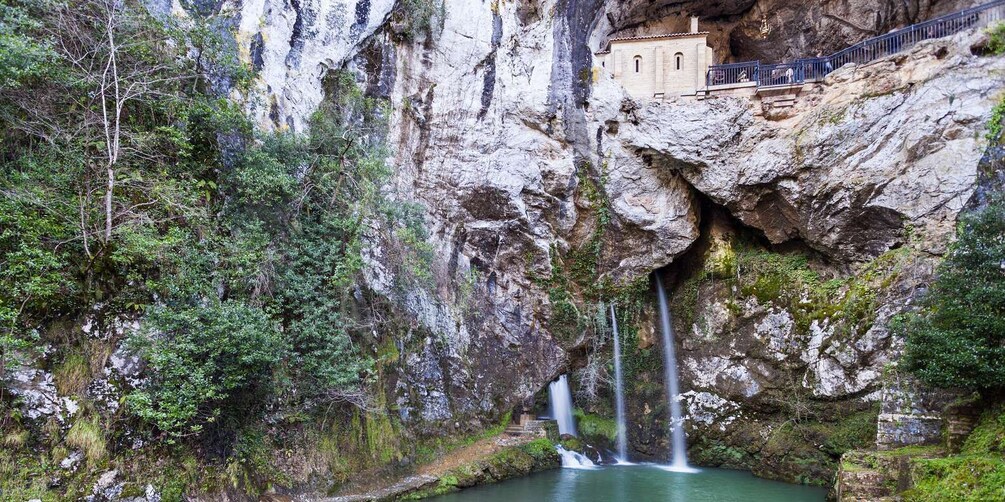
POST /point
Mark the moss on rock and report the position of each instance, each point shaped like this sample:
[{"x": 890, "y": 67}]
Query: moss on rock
[
  {"x": 976, "y": 474},
  {"x": 543, "y": 452},
  {"x": 596, "y": 427},
  {"x": 510, "y": 462},
  {"x": 962, "y": 478}
]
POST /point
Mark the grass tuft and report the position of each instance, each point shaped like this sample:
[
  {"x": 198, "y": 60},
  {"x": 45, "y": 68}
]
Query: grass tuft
[
  {"x": 73, "y": 375},
  {"x": 87, "y": 436}
]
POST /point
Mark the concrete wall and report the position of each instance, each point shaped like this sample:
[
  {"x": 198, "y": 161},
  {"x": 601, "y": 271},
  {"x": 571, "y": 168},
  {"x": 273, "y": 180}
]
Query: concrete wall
[{"x": 658, "y": 70}]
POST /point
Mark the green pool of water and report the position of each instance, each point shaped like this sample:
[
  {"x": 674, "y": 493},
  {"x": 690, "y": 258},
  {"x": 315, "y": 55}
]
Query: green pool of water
[{"x": 639, "y": 483}]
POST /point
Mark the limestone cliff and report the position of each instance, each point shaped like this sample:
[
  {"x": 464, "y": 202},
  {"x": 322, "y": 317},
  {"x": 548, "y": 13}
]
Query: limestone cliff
[
  {"x": 499, "y": 129},
  {"x": 523, "y": 157}
]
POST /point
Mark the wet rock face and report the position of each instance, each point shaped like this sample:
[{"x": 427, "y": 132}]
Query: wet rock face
[{"x": 774, "y": 361}]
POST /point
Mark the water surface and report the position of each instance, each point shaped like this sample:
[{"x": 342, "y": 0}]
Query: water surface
[{"x": 637, "y": 484}]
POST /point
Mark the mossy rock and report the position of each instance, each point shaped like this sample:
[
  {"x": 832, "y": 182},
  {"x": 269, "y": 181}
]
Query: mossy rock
[
  {"x": 962, "y": 478},
  {"x": 989, "y": 435},
  {"x": 597, "y": 428},
  {"x": 572, "y": 443},
  {"x": 468, "y": 475},
  {"x": 719, "y": 454},
  {"x": 544, "y": 453},
  {"x": 510, "y": 463},
  {"x": 448, "y": 484},
  {"x": 551, "y": 430}
]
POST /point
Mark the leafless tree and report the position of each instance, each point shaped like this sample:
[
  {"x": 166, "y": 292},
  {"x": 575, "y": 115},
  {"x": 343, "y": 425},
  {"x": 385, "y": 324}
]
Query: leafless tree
[{"x": 107, "y": 48}]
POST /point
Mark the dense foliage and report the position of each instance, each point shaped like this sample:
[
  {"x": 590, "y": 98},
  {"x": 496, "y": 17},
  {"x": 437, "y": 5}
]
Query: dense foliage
[
  {"x": 131, "y": 187},
  {"x": 956, "y": 339},
  {"x": 204, "y": 360}
]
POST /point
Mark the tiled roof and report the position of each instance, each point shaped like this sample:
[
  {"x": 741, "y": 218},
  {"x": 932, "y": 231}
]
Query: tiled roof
[{"x": 651, "y": 37}]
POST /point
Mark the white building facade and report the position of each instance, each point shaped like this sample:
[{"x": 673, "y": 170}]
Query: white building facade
[{"x": 658, "y": 66}]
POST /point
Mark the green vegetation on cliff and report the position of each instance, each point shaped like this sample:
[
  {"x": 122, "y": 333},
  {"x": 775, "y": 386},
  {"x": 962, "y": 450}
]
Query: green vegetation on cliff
[
  {"x": 977, "y": 473},
  {"x": 237, "y": 253},
  {"x": 207, "y": 364},
  {"x": 790, "y": 281},
  {"x": 955, "y": 338},
  {"x": 996, "y": 39}
]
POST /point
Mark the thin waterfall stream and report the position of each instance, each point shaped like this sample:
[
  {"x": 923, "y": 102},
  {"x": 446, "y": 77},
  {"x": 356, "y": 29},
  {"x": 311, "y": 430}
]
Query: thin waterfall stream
[
  {"x": 561, "y": 405},
  {"x": 678, "y": 461},
  {"x": 619, "y": 393},
  {"x": 561, "y": 409}
]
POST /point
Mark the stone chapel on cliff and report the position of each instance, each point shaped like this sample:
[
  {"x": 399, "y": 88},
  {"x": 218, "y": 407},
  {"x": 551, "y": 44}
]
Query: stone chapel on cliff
[{"x": 658, "y": 66}]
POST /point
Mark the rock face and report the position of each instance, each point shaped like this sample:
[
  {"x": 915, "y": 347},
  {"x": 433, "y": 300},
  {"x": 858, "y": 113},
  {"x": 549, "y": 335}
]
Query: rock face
[
  {"x": 519, "y": 153},
  {"x": 875, "y": 149}
]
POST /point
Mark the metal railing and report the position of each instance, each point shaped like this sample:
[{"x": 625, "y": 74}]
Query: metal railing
[
  {"x": 811, "y": 69},
  {"x": 733, "y": 73}
]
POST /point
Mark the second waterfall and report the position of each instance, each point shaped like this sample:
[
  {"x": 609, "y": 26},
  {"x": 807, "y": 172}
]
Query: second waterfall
[
  {"x": 678, "y": 460},
  {"x": 619, "y": 392}
]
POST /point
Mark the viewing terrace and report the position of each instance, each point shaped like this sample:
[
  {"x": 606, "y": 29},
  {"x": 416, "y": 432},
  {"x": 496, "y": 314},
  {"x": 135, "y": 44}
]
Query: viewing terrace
[{"x": 756, "y": 76}]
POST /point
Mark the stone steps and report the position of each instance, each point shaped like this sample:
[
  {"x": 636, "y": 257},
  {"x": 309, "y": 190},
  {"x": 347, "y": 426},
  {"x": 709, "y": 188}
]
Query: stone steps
[
  {"x": 527, "y": 428},
  {"x": 864, "y": 485},
  {"x": 959, "y": 423}
]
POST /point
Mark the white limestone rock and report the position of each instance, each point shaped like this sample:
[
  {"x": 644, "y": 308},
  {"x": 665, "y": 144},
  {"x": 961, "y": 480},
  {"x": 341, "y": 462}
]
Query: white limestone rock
[
  {"x": 709, "y": 409},
  {"x": 776, "y": 331}
]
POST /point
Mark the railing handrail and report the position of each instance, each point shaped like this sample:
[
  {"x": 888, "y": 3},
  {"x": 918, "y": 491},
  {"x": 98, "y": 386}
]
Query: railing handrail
[
  {"x": 737, "y": 65},
  {"x": 887, "y": 43}
]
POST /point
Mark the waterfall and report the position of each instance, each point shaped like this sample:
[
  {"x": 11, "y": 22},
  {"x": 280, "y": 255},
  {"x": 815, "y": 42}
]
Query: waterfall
[
  {"x": 619, "y": 392},
  {"x": 561, "y": 405},
  {"x": 574, "y": 459},
  {"x": 678, "y": 447}
]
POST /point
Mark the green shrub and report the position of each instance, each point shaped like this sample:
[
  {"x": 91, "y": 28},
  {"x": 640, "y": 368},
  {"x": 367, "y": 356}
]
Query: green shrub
[
  {"x": 23, "y": 57},
  {"x": 996, "y": 42},
  {"x": 956, "y": 339},
  {"x": 541, "y": 449},
  {"x": 204, "y": 363},
  {"x": 419, "y": 18},
  {"x": 996, "y": 124}
]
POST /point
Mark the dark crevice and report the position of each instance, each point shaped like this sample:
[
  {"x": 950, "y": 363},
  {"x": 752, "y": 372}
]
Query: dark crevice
[
  {"x": 489, "y": 65},
  {"x": 303, "y": 28},
  {"x": 711, "y": 213},
  {"x": 298, "y": 27},
  {"x": 257, "y": 50},
  {"x": 990, "y": 178},
  {"x": 361, "y": 19}
]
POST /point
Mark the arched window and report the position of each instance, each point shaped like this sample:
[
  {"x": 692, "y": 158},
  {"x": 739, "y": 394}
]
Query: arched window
[
  {"x": 638, "y": 64},
  {"x": 678, "y": 59}
]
